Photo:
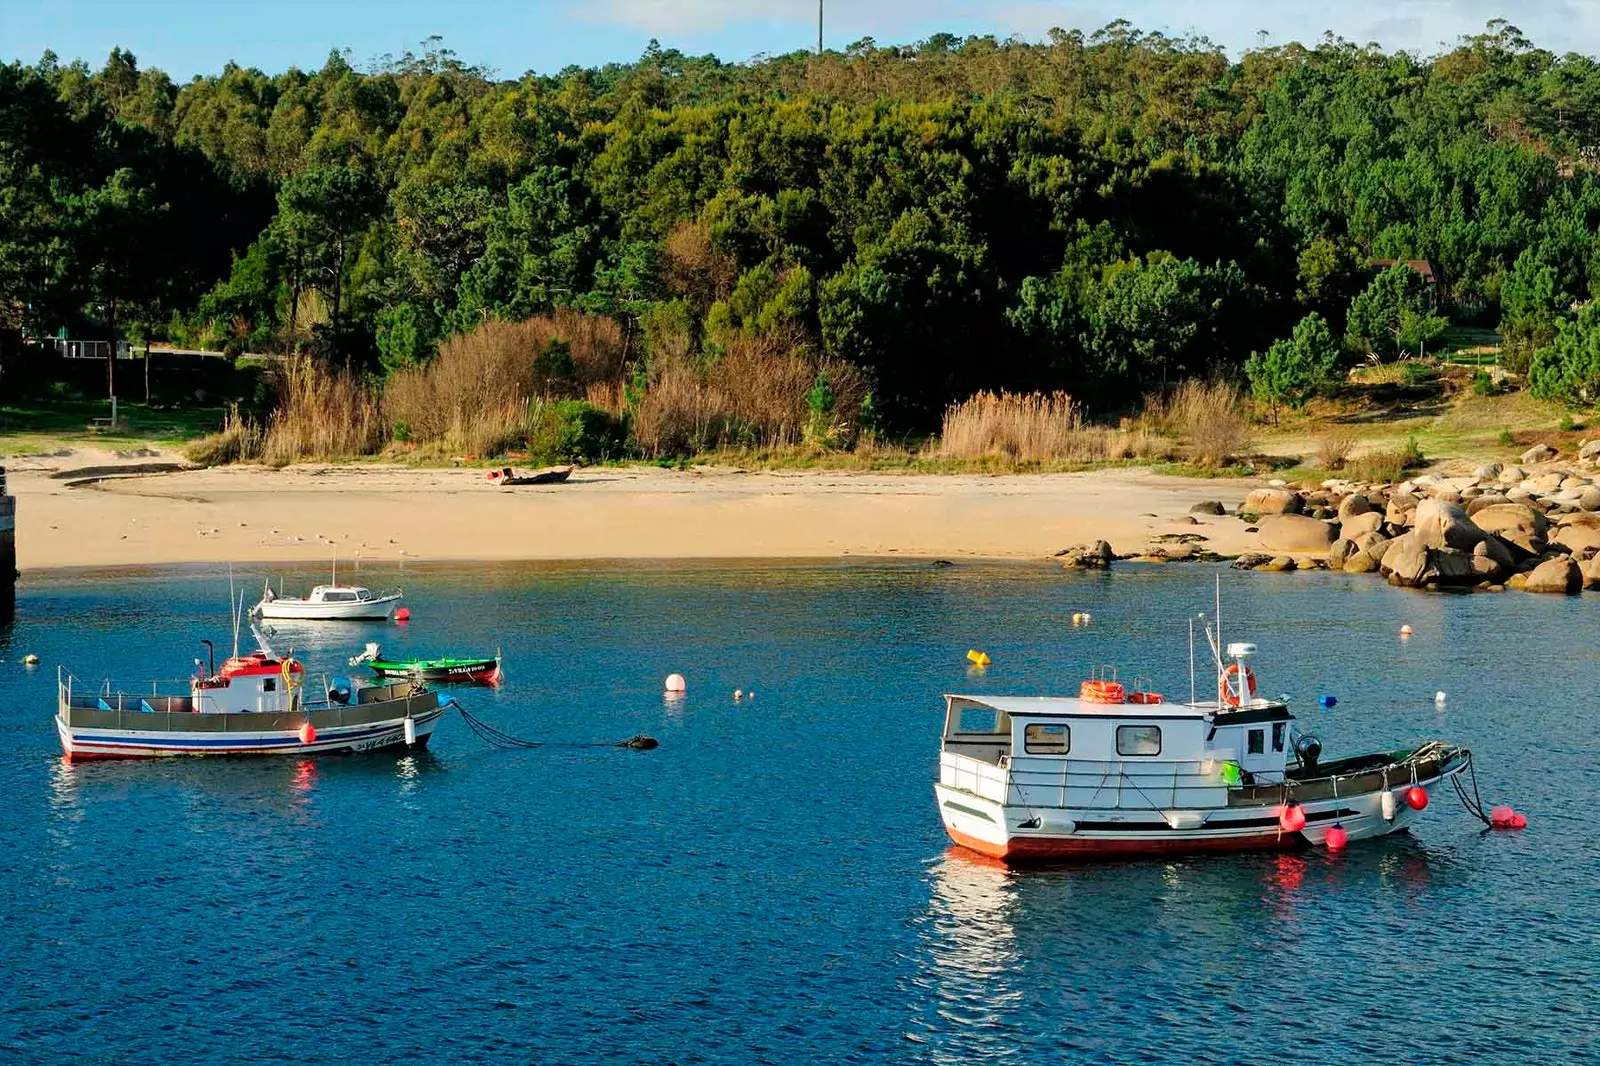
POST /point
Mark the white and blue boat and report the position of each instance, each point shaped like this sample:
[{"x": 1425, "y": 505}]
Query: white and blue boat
[{"x": 256, "y": 704}]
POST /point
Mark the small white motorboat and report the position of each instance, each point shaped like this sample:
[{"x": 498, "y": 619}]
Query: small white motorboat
[
  {"x": 1120, "y": 771},
  {"x": 329, "y": 603},
  {"x": 254, "y": 705}
]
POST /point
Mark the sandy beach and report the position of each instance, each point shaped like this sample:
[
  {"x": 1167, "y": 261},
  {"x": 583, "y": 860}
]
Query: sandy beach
[{"x": 302, "y": 513}]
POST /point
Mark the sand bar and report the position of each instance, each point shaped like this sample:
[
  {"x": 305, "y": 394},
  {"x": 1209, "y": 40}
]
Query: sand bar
[{"x": 299, "y": 514}]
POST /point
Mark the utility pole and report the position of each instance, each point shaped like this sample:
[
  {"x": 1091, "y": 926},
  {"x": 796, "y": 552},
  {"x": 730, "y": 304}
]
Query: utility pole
[{"x": 819, "y": 27}]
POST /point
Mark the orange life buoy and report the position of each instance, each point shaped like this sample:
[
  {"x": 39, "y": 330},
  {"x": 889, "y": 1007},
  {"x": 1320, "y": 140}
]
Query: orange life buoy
[
  {"x": 1144, "y": 697},
  {"x": 1102, "y": 692},
  {"x": 1227, "y": 693}
]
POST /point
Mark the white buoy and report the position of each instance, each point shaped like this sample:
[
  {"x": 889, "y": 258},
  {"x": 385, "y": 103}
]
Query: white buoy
[
  {"x": 30, "y": 660},
  {"x": 676, "y": 683},
  {"x": 1438, "y": 697},
  {"x": 738, "y": 695},
  {"x": 411, "y": 732},
  {"x": 1405, "y": 631}
]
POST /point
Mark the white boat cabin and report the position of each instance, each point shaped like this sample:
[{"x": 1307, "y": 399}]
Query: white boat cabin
[
  {"x": 1095, "y": 752},
  {"x": 258, "y": 683},
  {"x": 327, "y": 594}
]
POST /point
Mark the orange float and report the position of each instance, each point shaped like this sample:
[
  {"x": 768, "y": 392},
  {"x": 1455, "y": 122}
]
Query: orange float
[
  {"x": 1103, "y": 692},
  {"x": 1228, "y": 687}
]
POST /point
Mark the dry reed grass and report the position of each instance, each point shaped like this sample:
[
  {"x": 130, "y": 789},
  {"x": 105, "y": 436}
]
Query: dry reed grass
[
  {"x": 239, "y": 441},
  {"x": 1037, "y": 428},
  {"x": 474, "y": 397},
  {"x": 759, "y": 393},
  {"x": 1334, "y": 446},
  {"x": 322, "y": 414},
  {"x": 1207, "y": 417}
]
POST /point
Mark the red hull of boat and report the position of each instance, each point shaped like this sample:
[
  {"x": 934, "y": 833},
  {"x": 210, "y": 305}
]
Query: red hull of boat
[{"x": 1059, "y": 849}]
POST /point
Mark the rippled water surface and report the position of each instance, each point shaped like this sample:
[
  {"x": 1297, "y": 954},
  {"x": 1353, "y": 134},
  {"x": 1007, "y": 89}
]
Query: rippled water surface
[{"x": 772, "y": 884}]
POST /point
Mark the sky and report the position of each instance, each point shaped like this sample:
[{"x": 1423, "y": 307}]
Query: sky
[{"x": 188, "y": 37}]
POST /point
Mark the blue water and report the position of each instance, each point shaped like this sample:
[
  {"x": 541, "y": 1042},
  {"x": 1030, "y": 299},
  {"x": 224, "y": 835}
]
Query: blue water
[{"x": 772, "y": 884}]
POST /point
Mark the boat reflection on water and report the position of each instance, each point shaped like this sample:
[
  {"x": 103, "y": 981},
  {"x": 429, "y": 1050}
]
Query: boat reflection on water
[
  {"x": 1003, "y": 948},
  {"x": 227, "y": 788}
]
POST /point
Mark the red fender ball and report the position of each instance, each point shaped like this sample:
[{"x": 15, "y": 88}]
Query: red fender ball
[
  {"x": 1292, "y": 818},
  {"x": 1416, "y": 797},
  {"x": 403, "y": 615},
  {"x": 1337, "y": 838},
  {"x": 308, "y": 733},
  {"x": 1500, "y": 817},
  {"x": 1519, "y": 821}
]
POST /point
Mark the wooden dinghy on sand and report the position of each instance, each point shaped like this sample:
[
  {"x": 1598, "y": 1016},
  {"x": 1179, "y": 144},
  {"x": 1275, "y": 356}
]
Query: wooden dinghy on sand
[{"x": 553, "y": 475}]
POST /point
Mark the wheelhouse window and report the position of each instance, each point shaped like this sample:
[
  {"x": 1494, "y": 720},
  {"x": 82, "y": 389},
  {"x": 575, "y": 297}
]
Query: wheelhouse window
[
  {"x": 1046, "y": 738},
  {"x": 1277, "y": 736},
  {"x": 269, "y": 684},
  {"x": 1138, "y": 740},
  {"x": 338, "y": 597},
  {"x": 1256, "y": 742},
  {"x": 977, "y": 720}
]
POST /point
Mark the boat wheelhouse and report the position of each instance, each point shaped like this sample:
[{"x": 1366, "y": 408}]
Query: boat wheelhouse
[
  {"x": 1114, "y": 772},
  {"x": 253, "y": 705}
]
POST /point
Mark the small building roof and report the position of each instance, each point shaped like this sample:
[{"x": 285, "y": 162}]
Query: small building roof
[{"x": 1421, "y": 266}]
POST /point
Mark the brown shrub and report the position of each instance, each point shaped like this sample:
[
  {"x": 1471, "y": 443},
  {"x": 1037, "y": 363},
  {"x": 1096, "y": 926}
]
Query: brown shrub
[
  {"x": 1208, "y": 417},
  {"x": 239, "y": 441},
  {"x": 474, "y": 395},
  {"x": 759, "y": 393},
  {"x": 1036, "y": 427},
  {"x": 1334, "y": 446},
  {"x": 695, "y": 267},
  {"x": 322, "y": 414}
]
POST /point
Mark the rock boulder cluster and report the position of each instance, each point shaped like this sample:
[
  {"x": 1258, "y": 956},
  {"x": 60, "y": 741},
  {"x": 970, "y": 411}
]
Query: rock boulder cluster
[{"x": 1534, "y": 526}]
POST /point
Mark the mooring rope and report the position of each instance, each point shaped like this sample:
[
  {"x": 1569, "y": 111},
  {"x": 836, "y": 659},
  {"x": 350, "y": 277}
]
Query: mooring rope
[
  {"x": 499, "y": 738},
  {"x": 1473, "y": 803}
]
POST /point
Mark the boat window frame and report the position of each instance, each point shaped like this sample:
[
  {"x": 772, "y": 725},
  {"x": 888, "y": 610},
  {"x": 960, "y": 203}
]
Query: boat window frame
[
  {"x": 1066, "y": 738},
  {"x": 1147, "y": 727},
  {"x": 1280, "y": 733},
  {"x": 1255, "y": 741},
  {"x": 269, "y": 684},
  {"x": 339, "y": 596}
]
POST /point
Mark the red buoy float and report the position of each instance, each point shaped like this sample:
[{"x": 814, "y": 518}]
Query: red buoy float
[
  {"x": 1501, "y": 817},
  {"x": 1416, "y": 797},
  {"x": 308, "y": 733},
  {"x": 1292, "y": 818},
  {"x": 1518, "y": 821},
  {"x": 1337, "y": 838},
  {"x": 403, "y": 615}
]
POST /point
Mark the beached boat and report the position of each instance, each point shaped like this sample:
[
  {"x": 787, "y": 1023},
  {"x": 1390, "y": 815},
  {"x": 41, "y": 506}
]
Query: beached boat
[
  {"x": 483, "y": 671},
  {"x": 554, "y": 475},
  {"x": 1118, "y": 771},
  {"x": 329, "y": 603},
  {"x": 254, "y": 705}
]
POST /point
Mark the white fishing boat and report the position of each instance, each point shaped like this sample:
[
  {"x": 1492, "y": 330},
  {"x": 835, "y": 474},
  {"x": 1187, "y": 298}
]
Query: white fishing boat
[
  {"x": 254, "y": 705},
  {"x": 330, "y": 602},
  {"x": 1119, "y": 771}
]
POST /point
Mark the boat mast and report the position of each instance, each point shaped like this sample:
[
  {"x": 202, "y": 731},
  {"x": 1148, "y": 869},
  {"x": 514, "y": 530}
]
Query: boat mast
[{"x": 1191, "y": 662}]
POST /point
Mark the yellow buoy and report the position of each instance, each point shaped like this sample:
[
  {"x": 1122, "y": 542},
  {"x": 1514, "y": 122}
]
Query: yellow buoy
[{"x": 978, "y": 658}]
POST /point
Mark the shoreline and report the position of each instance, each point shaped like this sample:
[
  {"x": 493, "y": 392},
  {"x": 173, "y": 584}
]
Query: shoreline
[{"x": 304, "y": 514}]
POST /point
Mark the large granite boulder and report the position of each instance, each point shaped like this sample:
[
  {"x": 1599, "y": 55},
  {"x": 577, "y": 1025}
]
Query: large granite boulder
[
  {"x": 1591, "y": 573},
  {"x": 1442, "y": 524},
  {"x": 1556, "y": 576},
  {"x": 1358, "y": 524},
  {"x": 1341, "y": 550},
  {"x": 1296, "y": 533},
  {"x": 1577, "y": 534},
  {"x": 1096, "y": 556},
  {"x": 1539, "y": 453},
  {"x": 1271, "y": 501},
  {"x": 1405, "y": 561},
  {"x": 1517, "y": 524},
  {"x": 1354, "y": 504},
  {"x": 1488, "y": 499}
]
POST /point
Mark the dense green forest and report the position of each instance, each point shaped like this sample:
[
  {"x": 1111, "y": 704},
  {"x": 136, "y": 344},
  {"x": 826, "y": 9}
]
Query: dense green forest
[{"x": 1100, "y": 214}]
